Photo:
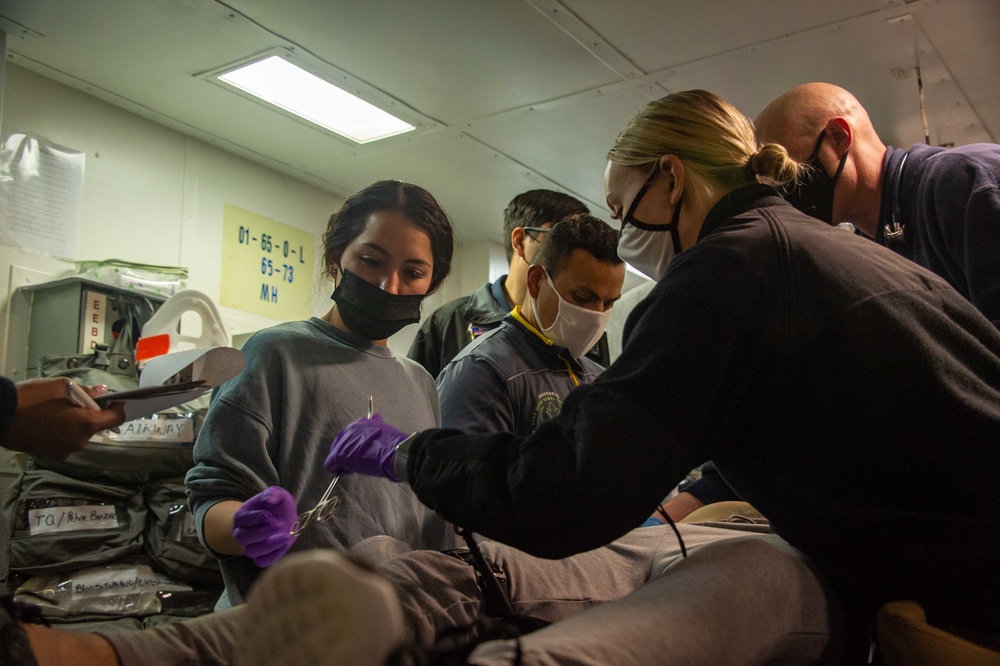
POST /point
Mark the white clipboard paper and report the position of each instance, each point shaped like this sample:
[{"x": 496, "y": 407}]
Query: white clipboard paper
[{"x": 173, "y": 379}]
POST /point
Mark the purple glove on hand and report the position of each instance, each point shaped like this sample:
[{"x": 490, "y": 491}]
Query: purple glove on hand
[
  {"x": 366, "y": 446},
  {"x": 263, "y": 525}
]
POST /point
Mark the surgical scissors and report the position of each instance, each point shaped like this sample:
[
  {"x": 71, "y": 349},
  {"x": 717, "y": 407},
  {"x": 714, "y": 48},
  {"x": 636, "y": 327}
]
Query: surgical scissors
[{"x": 327, "y": 505}]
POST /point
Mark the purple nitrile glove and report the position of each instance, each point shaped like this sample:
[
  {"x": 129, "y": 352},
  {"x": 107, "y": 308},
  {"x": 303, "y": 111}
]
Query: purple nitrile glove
[
  {"x": 263, "y": 525},
  {"x": 366, "y": 446}
]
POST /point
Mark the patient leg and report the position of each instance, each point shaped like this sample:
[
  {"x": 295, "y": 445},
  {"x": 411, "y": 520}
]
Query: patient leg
[
  {"x": 318, "y": 607},
  {"x": 57, "y": 647},
  {"x": 210, "y": 639},
  {"x": 752, "y": 600}
]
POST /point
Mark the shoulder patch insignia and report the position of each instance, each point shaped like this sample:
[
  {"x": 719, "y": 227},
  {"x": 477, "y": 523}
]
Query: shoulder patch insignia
[{"x": 547, "y": 406}]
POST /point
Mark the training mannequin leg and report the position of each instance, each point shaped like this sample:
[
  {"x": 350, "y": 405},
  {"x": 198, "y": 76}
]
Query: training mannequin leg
[{"x": 752, "y": 600}]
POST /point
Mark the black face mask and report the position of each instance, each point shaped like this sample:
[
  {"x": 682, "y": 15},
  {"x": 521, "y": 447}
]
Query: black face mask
[
  {"x": 372, "y": 313},
  {"x": 814, "y": 194}
]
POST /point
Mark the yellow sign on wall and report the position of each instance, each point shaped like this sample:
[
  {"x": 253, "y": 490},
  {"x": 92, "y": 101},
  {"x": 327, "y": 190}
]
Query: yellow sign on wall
[{"x": 267, "y": 266}]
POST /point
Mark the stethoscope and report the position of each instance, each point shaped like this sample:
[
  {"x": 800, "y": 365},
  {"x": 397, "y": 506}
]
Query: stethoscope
[{"x": 893, "y": 233}]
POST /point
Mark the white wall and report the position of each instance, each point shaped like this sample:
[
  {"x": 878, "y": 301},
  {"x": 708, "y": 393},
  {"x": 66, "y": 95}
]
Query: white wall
[
  {"x": 621, "y": 311},
  {"x": 152, "y": 195}
]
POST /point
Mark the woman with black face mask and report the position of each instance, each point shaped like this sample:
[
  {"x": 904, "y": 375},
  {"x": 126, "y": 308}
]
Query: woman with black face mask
[
  {"x": 849, "y": 395},
  {"x": 260, "y": 452}
]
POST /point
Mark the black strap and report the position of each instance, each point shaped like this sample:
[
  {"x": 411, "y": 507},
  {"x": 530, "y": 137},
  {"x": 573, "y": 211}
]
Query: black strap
[
  {"x": 495, "y": 595},
  {"x": 893, "y": 233}
]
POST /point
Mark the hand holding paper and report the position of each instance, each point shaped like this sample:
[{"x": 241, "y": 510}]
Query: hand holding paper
[
  {"x": 173, "y": 379},
  {"x": 49, "y": 422}
]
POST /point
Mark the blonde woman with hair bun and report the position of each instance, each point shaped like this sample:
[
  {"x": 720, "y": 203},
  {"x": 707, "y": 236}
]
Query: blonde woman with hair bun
[
  {"x": 700, "y": 147},
  {"x": 821, "y": 373}
]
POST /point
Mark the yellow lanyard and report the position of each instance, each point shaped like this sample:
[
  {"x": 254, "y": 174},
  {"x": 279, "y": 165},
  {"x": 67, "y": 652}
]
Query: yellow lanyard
[{"x": 516, "y": 314}]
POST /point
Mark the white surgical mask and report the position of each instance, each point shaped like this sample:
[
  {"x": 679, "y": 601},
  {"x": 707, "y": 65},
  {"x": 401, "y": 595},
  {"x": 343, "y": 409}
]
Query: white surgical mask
[
  {"x": 649, "y": 252},
  {"x": 575, "y": 328},
  {"x": 647, "y": 248}
]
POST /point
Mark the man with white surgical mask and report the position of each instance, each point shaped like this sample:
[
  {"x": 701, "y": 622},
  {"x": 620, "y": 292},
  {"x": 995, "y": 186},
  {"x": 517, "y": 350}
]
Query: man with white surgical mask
[
  {"x": 516, "y": 376},
  {"x": 526, "y": 220}
]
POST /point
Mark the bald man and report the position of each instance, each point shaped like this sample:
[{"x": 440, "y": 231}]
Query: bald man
[{"x": 937, "y": 207}]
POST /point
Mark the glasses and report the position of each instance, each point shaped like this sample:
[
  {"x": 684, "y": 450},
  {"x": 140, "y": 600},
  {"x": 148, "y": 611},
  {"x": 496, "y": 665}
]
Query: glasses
[
  {"x": 628, "y": 217},
  {"x": 537, "y": 230},
  {"x": 329, "y": 502}
]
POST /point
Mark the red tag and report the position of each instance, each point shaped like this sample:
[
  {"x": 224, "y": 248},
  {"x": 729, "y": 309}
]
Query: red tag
[{"x": 154, "y": 345}]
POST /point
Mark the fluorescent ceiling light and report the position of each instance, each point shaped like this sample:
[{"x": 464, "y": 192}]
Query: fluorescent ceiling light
[{"x": 279, "y": 82}]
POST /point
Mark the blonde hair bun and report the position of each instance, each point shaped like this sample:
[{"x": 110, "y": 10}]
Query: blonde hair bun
[{"x": 773, "y": 165}]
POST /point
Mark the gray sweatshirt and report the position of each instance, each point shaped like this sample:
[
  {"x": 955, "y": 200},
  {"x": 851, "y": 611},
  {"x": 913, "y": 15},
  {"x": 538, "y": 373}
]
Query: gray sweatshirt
[{"x": 273, "y": 424}]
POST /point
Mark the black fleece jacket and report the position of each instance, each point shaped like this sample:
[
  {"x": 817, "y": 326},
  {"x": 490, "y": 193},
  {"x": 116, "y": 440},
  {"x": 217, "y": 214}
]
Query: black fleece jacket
[{"x": 848, "y": 394}]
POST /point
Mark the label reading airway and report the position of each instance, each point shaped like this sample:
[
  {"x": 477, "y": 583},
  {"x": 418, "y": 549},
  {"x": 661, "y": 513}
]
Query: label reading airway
[
  {"x": 72, "y": 518},
  {"x": 162, "y": 428}
]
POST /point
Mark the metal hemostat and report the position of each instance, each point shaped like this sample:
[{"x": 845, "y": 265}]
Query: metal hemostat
[{"x": 328, "y": 503}]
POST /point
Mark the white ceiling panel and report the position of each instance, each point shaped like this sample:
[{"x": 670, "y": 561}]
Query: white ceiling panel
[
  {"x": 451, "y": 59},
  {"x": 513, "y": 94},
  {"x": 658, "y": 35},
  {"x": 879, "y": 68},
  {"x": 478, "y": 181},
  {"x": 966, "y": 36},
  {"x": 569, "y": 138}
]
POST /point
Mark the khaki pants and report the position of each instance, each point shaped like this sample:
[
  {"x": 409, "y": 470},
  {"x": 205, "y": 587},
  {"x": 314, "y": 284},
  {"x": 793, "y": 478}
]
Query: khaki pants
[{"x": 739, "y": 598}]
